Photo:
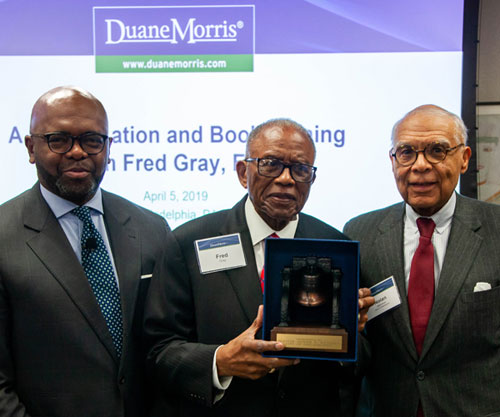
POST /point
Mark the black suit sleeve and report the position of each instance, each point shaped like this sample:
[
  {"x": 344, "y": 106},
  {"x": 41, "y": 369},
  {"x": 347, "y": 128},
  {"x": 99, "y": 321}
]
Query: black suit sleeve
[
  {"x": 10, "y": 405},
  {"x": 181, "y": 365}
]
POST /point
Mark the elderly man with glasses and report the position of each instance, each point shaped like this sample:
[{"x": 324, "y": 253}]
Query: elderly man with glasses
[
  {"x": 75, "y": 264},
  {"x": 203, "y": 325},
  {"x": 438, "y": 352}
]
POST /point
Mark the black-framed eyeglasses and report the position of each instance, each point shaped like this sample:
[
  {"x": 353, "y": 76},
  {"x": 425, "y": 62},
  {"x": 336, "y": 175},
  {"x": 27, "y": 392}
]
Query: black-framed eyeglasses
[
  {"x": 59, "y": 142},
  {"x": 434, "y": 153},
  {"x": 272, "y": 168}
]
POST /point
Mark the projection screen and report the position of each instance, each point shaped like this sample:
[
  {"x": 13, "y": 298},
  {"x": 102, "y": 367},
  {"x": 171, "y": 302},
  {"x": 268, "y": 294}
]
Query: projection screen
[{"x": 184, "y": 82}]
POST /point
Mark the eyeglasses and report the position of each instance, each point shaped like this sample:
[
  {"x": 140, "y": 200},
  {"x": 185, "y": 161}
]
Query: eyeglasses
[
  {"x": 272, "y": 168},
  {"x": 92, "y": 143},
  {"x": 434, "y": 153}
]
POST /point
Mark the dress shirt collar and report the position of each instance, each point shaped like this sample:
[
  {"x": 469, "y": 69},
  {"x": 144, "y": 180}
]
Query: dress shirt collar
[
  {"x": 259, "y": 229},
  {"x": 442, "y": 218},
  {"x": 61, "y": 207}
]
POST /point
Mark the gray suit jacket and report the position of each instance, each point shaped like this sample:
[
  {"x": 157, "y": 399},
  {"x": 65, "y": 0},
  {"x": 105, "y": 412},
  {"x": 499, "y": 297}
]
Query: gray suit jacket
[
  {"x": 458, "y": 373},
  {"x": 189, "y": 314},
  {"x": 56, "y": 354}
]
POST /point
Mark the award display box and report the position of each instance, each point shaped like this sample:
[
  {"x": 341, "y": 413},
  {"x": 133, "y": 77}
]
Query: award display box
[{"x": 311, "y": 298}]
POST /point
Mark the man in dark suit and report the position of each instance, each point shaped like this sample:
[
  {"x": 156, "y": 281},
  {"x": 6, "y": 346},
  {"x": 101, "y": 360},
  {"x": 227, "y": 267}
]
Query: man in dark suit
[
  {"x": 69, "y": 346},
  {"x": 206, "y": 352},
  {"x": 438, "y": 353}
]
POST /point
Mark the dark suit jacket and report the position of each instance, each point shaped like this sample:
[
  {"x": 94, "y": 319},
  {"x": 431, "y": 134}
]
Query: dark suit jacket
[
  {"x": 458, "y": 373},
  {"x": 56, "y": 354},
  {"x": 189, "y": 315}
]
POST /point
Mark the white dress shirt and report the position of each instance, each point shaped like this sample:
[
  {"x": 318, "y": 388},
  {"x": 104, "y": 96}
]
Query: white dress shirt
[
  {"x": 439, "y": 239},
  {"x": 259, "y": 231}
]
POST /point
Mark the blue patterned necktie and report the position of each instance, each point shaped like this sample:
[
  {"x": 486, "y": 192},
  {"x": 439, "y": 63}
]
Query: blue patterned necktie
[{"x": 99, "y": 270}]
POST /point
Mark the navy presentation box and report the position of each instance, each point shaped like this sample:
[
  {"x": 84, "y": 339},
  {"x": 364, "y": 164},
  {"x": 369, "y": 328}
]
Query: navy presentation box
[{"x": 312, "y": 340}]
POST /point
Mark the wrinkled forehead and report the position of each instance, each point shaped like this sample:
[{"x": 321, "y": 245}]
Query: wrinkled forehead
[
  {"x": 282, "y": 138},
  {"x": 269, "y": 135},
  {"x": 426, "y": 128}
]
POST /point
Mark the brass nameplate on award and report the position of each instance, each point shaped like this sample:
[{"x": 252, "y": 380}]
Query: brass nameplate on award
[{"x": 311, "y": 338}]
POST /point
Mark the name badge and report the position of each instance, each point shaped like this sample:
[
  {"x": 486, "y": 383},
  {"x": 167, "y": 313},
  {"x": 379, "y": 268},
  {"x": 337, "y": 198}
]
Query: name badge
[
  {"x": 386, "y": 296},
  {"x": 220, "y": 253}
]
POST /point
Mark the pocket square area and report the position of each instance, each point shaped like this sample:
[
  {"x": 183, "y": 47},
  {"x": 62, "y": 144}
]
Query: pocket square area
[{"x": 482, "y": 286}]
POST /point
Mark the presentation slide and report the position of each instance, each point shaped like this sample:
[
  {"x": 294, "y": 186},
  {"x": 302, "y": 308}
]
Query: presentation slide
[{"x": 184, "y": 83}]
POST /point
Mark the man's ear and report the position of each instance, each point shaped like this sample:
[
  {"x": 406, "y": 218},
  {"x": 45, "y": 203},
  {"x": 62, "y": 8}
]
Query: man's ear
[
  {"x": 465, "y": 159},
  {"x": 241, "y": 169},
  {"x": 110, "y": 140},
  {"x": 28, "y": 142},
  {"x": 393, "y": 162}
]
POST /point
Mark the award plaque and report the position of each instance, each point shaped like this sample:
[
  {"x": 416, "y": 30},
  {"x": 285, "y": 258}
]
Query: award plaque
[
  {"x": 310, "y": 298},
  {"x": 309, "y": 311}
]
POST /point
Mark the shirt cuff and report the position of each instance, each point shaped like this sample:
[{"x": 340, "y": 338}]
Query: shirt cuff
[{"x": 221, "y": 384}]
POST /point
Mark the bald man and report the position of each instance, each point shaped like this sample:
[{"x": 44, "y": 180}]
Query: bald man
[{"x": 75, "y": 265}]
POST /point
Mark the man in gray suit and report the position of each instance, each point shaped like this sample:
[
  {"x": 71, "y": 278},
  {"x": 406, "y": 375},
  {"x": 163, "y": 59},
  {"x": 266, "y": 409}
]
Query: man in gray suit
[
  {"x": 206, "y": 351},
  {"x": 438, "y": 353},
  {"x": 71, "y": 290}
]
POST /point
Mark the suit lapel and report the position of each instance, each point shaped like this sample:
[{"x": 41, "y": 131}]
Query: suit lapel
[
  {"x": 390, "y": 252},
  {"x": 302, "y": 231},
  {"x": 124, "y": 241},
  {"x": 245, "y": 281},
  {"x": 461, "y": 251},
  {"x": 53, "y": 249}
]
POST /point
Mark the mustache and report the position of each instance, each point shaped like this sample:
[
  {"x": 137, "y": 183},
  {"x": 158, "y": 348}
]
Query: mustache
[{"x": 76, "y": 166}]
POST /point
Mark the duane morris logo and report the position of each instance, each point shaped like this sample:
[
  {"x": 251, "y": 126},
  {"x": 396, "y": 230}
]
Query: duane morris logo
[
  {"x": 174, "y": 39},
  {"x": 192, "y": 32}
]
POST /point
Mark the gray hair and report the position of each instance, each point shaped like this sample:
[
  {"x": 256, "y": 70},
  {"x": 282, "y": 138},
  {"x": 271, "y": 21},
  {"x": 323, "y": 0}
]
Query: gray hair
[
  {"x": 279, "y": 122},
  {"x": 460, "y": 128}
]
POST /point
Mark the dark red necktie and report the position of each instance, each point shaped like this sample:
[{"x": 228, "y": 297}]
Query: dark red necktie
[
  {"x": 421, "y": 285},
  {"x": 275, "y": 236}
]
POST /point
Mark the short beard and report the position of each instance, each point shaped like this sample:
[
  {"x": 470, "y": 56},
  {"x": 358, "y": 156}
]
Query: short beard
[{"x": 78, "y": 192}]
